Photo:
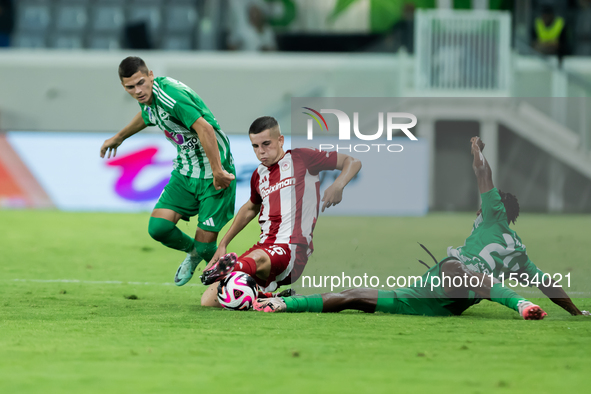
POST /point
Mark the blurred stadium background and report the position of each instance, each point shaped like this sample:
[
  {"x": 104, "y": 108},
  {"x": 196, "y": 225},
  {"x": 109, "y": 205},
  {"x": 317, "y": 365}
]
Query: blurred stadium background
[
  {"x": 60, "y": 95},
  {"x": 87, "y": 303}
]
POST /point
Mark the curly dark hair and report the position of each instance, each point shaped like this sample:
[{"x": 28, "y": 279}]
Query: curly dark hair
[{"x": 511, "y": 206}]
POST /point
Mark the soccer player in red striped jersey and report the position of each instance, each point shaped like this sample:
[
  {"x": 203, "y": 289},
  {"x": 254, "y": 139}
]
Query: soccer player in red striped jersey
[
  {"x": 285, "y": 194},
  {"x": 430, "y": 296}
]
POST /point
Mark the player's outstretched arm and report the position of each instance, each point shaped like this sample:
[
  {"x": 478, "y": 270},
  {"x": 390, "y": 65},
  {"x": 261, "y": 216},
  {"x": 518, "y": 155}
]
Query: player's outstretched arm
[
  {"x": 206, "y": 134},
  {"x": 349, "y": 167},
  {"x": 246, "y": 213},
  {"x": 136, "y": 125},
  {"x": 480, "y": 166},
  {"x": 560, "y": 298}
]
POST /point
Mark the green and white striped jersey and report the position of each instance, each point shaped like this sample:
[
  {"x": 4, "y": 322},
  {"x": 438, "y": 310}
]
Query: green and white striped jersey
[
  {"x": 175, "y": 107},
  {"x": 493, "y": 248}
]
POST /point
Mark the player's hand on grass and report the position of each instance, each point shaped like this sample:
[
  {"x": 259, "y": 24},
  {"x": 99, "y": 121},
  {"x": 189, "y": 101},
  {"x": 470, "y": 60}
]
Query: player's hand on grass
[
  {"x": 332, "y": 196},
  {"x": 222, "y": 179},
  {"x": 110, "y": 146},
  {"x": 218, "y": 254}
]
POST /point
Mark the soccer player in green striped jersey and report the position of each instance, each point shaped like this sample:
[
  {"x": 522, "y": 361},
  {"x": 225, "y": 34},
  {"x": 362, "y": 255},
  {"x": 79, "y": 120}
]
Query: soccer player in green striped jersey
[
  {"x": 493, "y": 251},
  {"x": 203, "y": 178}
]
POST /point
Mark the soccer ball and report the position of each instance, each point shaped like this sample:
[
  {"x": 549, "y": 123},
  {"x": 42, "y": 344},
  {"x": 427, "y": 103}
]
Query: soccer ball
[{"x": 237, "y": 291}]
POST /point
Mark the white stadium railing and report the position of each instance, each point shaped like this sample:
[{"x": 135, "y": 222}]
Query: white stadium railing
[{"x": 463, "y": 51}]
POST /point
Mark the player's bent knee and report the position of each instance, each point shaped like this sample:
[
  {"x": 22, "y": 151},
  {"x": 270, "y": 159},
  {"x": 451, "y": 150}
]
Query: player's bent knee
[
  {"x": 159, "y": 228},
  {"x": 209, "y": 302},
  {"x": 210, "y": 297}
]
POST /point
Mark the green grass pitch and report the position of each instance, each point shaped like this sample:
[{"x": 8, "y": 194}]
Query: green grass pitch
[{"x": 92, "y": 336}]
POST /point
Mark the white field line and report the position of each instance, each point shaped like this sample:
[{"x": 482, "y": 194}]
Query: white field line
[{"x": 98, "y": 282}]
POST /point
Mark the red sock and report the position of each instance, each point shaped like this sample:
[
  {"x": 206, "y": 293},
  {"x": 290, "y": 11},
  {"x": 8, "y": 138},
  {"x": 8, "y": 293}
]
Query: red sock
[{"x": 246, "y": 265}]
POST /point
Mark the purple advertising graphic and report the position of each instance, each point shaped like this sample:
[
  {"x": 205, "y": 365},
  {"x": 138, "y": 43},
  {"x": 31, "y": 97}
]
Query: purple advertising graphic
[
  {"x": 131, "y": 165},
  {"x": 79, "y": 180}
]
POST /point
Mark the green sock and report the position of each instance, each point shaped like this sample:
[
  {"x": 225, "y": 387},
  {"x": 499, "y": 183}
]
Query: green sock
[
  {"x": 505, "y": 296},
  {"x": 311, "y": 303},
  {"x": 168, "y": 234},
  {"x": 206, "y": 250}
]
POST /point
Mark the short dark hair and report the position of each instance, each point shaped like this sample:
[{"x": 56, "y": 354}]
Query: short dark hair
[
  {"x": 130, "y": 65},
  {"x": 261, "y": 124},
  {"x": 511, "y": 206}
]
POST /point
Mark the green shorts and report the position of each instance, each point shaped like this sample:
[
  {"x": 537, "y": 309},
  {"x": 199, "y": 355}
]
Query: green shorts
[
  {"x": 421, "y": 300},
  {"x": 192, "y": 196}
]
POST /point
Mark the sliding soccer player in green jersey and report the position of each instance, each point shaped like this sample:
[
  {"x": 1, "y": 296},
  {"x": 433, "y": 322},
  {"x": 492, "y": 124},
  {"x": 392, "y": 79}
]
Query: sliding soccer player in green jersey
[
  {"x": 492, "y": 251},
  {"x": 202, "y": 181}
]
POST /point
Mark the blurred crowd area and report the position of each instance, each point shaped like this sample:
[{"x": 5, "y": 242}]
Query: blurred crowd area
[{"x": 551, "y": 27}]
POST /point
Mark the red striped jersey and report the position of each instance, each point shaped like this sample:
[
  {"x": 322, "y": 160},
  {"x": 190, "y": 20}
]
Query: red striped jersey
[{"x": 289, "y": 194}]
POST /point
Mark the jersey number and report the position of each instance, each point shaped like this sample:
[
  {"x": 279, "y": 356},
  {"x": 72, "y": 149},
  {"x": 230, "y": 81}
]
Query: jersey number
[
  {"x": 506, "y": 253},
  {"x": 276, "y": 250}
]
